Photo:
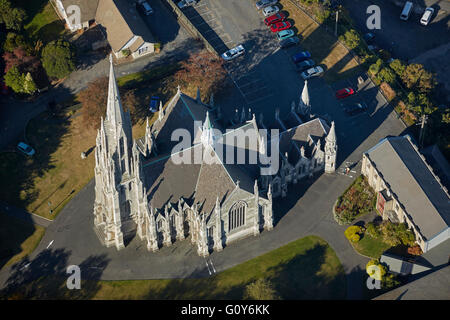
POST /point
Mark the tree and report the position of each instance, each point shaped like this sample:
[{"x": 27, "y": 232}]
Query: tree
[
  {"x": 29, "y": 86},
  {"x": 375, "y": 68},
  {"x": 13, "y": 18},
  {"x": 398, "y": 67},
  {"x": 415, "y": 76},
  {"x": 202, "y": 70},
  {"x": 58, "y": 59},
  {"x": 352, "y": 233},
  {"x": 351, "y": 38},
  {"x": 93, "y": 100},
  {"x": 387, "y": 75},
  {"x": 14, "y": 41},
  {"x": 261, "y": 289},
  {"x": 15, "y": 79}
]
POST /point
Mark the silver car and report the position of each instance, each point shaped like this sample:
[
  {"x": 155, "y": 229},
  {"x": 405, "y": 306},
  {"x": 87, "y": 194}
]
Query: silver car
[
  {"x": 265, "y": 3},
  {"x": 312, "y": 72},
  {"x": 269, "y": 11},
  {"x": 233, "y": 53}
]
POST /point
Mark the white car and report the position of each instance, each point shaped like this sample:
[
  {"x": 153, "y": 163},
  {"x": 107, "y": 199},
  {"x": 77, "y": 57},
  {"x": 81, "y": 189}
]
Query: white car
[
  {"x": 233, "y": 53},
  {"x": 23, "y": 147},
  {"x": 427, "y": 16},
  {"x": 269, "y": 11},
  {"x": 312, "y": 72},
  {"x": 265, "y": 3}
]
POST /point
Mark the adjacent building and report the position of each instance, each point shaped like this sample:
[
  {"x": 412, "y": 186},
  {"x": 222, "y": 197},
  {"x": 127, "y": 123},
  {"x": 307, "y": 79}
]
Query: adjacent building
[
  {"x": 125, "y": 30},
  {"x": 408, "y": 190}
]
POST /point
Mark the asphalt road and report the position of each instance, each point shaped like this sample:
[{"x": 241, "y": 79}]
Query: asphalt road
[{"x": 404, "y": 39}]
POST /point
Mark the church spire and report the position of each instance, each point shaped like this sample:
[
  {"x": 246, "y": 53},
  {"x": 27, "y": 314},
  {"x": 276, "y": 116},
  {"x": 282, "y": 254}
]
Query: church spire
[
  {"x": 330, "y": 150},
  {"x": 331, "y": 137},
  {"x": 304, "y": 105},
  {"x": 114, "y": 111},
  {"x": 207, "y": 137}
]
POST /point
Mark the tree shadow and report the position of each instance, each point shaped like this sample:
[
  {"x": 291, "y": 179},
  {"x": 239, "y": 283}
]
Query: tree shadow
[
  {"x": 302, "y": 278},
  {"x": 45, "y": 277},
  {"x": 19, "y": 172}
]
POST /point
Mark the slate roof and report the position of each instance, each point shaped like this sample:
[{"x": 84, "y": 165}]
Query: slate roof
[
  {"x": 88, "y": 8},
  {"x": 412, "y": 181},
  {"x": 293, "y": 139},
  {"x": 433, "y": 286},
  {"x": 167, "y": 181},
  {"x": 181, "y": 112}
]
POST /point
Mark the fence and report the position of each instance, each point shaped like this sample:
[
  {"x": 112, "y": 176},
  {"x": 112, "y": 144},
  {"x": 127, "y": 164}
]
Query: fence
[{"x": 182, "y": 19}]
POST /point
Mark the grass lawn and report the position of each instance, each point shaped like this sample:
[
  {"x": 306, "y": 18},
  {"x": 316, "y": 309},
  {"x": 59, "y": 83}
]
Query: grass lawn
[
  {"x": 304, "y": 269},
  {"x": 370, "y": 247},
  {"x": 43, "y": 23},
  {"x": 17, "y": 239},
  {"x": 324, "y": 48},
  {"x": 50, "y": 178}
]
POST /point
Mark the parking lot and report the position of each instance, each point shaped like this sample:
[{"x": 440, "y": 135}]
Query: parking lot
[{"x": 265, "y": 78}]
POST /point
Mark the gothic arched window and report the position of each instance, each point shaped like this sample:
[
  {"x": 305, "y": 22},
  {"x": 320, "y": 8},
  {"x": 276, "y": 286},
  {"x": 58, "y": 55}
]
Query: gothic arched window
[{"x": 236, "y": 217}]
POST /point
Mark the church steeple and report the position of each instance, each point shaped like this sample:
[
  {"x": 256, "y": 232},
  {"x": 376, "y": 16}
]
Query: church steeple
[
  {"x": 207, "y": 137},
  {"x": 114, "y": 111},
  {"x": 330, "y": 150},
  {"x": 304, "y": 105}
]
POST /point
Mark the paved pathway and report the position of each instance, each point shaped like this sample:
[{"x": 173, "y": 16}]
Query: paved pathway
[{"x": 24, "y": 215}]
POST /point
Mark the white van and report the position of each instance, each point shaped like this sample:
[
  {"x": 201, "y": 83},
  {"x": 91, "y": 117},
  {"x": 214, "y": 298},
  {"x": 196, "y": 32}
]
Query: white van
[{"x": 406, "y": 10}]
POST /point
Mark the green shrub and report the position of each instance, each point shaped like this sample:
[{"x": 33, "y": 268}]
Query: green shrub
[
  {"x": 375, "y": 68},
  {"x": 351, "y": 39},
  {"x": 387, "y": 75},
  {"x": 58, "y": 59}
]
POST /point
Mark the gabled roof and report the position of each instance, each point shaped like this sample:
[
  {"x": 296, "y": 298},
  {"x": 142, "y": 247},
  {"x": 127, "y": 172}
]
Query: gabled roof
[
  {"x": 411, "y": 179},
  {"x": 122, "y": 22}
]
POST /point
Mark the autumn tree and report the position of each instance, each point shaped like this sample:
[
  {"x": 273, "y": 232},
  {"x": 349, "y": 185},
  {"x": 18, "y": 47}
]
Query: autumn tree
[
  {"x": 261, "y": 289},
  {"x": 94, "y": 100},
  {"x": 202, "y": 70},
  {"x": 351, "y": 38},
  {"x": 415, "y": 76}
]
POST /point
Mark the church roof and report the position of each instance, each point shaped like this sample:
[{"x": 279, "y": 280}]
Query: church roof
[
  {"x": 293, "y": 139},
  {"x": 167, "y": 181}
]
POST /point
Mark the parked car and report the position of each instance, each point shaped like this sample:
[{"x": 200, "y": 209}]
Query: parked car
[
  {"x": 154, "y": 101},
  {"x": 265, "y": 3},
  {"x": 234, "y": 52},
  {"x": 289, "y": 42},
  {"x": 279, "y": 26},
  {"x": 285, "y": 34},
  {"x": 406, "y": 10},
  {"x": 304, "y": 65},
  {"x": 344, "y": 93},
  {"x": 368, "y": 37},
  {"x": 23, "y": 147},
  {"x": 269, "y": 11},
  {"x": 426, "y": 18},
  {"x": 304, "y": 55},
  {"x": 354, "y": 109},
  {"x": 278, "y": 17},
  {"x": 145, "y": 8},
  {"x": 312, "y": 72},
  {"x": 186, "y": 3}
]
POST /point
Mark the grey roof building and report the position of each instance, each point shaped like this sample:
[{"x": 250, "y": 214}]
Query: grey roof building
[
  {"x": 408, "y": 190},
  {"x": 433, "y": 286}
]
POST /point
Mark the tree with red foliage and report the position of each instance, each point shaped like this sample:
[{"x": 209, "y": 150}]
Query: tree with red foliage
[
  {"x": 95, "y": 98},
  {"x": 202, "y": 70}
]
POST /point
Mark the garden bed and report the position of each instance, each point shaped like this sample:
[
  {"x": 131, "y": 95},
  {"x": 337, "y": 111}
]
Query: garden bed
[{"x": 359, "y": 199}]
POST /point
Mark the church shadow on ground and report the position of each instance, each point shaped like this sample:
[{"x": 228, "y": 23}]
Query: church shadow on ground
[{"x": 45, "y": 277}]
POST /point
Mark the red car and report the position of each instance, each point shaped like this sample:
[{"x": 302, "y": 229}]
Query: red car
[
  {"x": 278, "y": 17},
  {"x": 344, "y": 93},
  {"x": 279, "y": 26}
]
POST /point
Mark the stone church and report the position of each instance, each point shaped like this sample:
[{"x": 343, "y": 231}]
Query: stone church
[{"x": 141, "y": 189}]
